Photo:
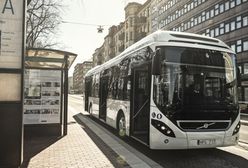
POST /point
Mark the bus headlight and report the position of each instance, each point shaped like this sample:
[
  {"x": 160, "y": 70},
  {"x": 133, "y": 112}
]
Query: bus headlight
[
  {"x": 163, "y": 128},
  {"x": 236, "y": 130}
]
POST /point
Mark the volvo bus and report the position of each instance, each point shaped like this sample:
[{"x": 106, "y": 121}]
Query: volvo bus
[{"x": 170, "y": 90}]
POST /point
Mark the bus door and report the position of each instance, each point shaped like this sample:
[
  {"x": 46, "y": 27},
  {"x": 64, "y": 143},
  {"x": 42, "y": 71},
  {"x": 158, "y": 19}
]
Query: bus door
[
  {"x": 103, "y": 97},
  {"x": 140, "y": 102}
]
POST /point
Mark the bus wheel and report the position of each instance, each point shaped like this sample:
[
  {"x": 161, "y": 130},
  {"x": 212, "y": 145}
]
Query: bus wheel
[{"x": 121, "y": 125}]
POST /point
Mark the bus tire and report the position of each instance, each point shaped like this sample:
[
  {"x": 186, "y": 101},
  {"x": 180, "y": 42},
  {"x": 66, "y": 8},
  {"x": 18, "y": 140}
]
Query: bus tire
[{"x": 121, "y": 125}]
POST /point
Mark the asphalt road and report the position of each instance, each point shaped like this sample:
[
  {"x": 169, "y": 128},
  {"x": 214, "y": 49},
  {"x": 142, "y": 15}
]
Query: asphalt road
[
  {"x": 243, "y": 134},
  {"x": 227, "y": 157}
]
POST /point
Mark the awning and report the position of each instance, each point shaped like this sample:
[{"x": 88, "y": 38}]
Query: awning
[{"x": 41, "y": 58}]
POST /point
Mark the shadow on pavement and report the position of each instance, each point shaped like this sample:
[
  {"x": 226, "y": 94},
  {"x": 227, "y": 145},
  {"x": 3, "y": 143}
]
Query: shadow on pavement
[
  {"x": 112, "y": 156},
  {"x": 34, "y": 145},
  {"x": 191, "y": 158}
]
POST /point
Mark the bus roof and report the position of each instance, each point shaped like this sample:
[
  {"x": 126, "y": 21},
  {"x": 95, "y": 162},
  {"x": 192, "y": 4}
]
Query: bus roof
[{"x": 164, "y": 36}]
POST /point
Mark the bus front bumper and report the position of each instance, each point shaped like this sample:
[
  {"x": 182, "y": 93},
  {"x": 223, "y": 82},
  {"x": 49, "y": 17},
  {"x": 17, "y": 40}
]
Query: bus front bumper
[{"x": 192, "y": 140}]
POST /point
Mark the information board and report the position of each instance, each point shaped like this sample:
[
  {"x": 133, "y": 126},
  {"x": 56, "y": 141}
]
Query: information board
[
  {"x": 42, "y": 96},
  {"x": 11, "y": 33}
]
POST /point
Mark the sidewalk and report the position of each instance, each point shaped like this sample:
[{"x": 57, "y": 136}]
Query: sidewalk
[{"x": 76, "y": 150}]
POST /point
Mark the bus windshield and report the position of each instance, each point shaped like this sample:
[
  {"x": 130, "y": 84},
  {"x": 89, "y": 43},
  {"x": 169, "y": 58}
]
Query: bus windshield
[{"x": 195, "y": 78}]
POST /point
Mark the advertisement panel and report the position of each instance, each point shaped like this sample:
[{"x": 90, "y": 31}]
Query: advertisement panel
[
  {"x": 42, "y": 96},
  {"x": 11, "y": 33}
]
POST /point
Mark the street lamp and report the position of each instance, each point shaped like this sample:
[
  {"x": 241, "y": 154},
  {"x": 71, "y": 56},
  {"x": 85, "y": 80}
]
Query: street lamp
[{"x": 99, "y": 27}]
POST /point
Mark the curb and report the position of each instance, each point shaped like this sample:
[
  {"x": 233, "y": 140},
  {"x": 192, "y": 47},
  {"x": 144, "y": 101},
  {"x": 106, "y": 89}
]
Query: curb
[
  {"x": 133, "y": 157},
  {"x": 243, "y": 122}
]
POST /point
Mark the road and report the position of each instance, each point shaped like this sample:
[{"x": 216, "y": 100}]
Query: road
[
  {"x": 243, "y": 133},
  {"x": 228, "y": 157}
]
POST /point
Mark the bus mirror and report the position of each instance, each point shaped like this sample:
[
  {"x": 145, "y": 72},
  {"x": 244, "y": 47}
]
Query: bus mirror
[
  {"x": 238, "y": 77},
  {"x": 156, "y": 63}
]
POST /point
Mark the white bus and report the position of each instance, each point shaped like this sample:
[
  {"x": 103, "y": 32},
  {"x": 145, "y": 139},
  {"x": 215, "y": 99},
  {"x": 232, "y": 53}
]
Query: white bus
[{"x": 170, "y": 90}]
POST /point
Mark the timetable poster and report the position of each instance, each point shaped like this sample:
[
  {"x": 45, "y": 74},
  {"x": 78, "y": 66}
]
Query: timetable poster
[{"x": 42, "y": 92}]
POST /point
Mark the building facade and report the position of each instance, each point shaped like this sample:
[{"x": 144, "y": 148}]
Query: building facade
[
  {"x": 70, "y": 85},
  {"x": 78, "y": 76},
  {"x": 87, "y": 65},
  {"x": 135, "y": 27},
  {"x": 78, "y": 79}
]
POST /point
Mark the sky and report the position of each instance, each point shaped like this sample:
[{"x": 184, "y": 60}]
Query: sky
[{"x": 83, "y": 39}]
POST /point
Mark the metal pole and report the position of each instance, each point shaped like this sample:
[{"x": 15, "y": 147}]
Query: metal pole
[{"x": 65, "y": 95}]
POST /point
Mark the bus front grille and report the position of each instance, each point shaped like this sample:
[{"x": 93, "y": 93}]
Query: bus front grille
[{"x": 213, "y": 125}]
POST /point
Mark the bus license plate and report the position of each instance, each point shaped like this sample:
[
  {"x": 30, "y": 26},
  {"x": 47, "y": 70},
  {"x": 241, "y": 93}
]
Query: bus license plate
[{"x": 206, "y": 142}]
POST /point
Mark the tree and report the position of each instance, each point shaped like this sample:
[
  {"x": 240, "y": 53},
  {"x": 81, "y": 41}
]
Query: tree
[{"x": 43, "y": 19}]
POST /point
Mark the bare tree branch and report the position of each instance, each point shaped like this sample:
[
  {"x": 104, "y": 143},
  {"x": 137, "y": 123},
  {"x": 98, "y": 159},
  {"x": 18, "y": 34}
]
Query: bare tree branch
[{"x": 43, "y": 19}]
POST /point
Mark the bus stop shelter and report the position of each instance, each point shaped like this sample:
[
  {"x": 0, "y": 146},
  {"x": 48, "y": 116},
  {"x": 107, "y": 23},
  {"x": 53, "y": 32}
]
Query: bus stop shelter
[{"x": 46, "y": 91}]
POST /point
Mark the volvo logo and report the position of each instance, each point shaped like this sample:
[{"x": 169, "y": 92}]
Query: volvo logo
[{"x": 205, "y": 125}]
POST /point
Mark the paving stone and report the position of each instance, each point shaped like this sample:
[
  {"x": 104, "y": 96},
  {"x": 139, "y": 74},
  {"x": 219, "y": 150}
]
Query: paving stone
[{"x": 73, "y": 150}]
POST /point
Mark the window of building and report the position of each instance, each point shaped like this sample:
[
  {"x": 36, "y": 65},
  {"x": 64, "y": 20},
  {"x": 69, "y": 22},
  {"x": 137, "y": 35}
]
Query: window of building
[
  {"x": 188, "y": 24},
  {"x": 232, "y": 3},
  {"x": 233, "y": 47},
  {"x": 212, "y": 33},
  {"x": 207, "y": 32},
  {"x": 207, "y": 15},
  {"x": 195, "y": 21},
  {"x": 233, "y": 25},
  {"x": 239, "y": 46},
  {"x": 221, "y": 8},
  {"x": 245, "y": 45},
  {"x": 182, "y": 28},
  {"x": 195, "y": 3},
  {"x": 185, "y": 26},
  {"x": 203, "y": 16},
  {"x": 244, "y": 0},
  {"x": 245, "y": 21},
  {"x": 227, "y": 28},
  {"x": 199, "y": 19},
  {"x": 188, "y": 9},
  {"x": 222, "y": 28},
  {"x": 173, "y": 2},
  {"x": 192, "y": 5},
  {"x": 199, "y": 2},
  {"x": 192, "y": 22},
  {"x": 238, "y": 2},
  {"x": 217, "y": 31},
  {"x": 227, "y": 6},
  {"x": 185, "y": 8},
  {"x": 216, "y": 9},
  {"x": 238, "y": 22},
  {"x": 182, "y": 11},
  {"x": 212, "y": 13}
]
